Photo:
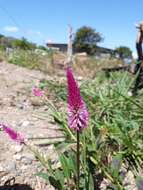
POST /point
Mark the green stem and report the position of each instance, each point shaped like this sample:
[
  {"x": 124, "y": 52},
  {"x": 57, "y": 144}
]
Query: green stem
[
  {"x": 84, "y": 158},
  {"x": 78, "y": 161}
]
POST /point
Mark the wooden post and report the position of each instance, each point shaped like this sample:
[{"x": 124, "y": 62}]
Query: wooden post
[{"x": 69, "y": 60}]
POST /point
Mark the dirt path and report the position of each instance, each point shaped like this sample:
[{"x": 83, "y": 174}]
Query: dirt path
[{"x": 18, "y": 107}]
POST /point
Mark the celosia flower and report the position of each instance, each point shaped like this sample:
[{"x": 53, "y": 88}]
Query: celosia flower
[
  {"x": 12, "y": 134},
  {"x": 37, "y": 92},
  {"x": 77, "y": 111}
]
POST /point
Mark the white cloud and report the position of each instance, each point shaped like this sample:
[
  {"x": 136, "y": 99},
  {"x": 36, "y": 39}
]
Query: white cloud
[
  {"x": 31, "y": 32},
  {"x": 49, "y": 41},
  {"x": 11, "y": 29}
]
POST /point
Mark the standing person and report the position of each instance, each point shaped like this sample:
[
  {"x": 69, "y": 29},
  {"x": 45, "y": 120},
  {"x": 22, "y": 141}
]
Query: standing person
[{"x": 139, "y": 67}]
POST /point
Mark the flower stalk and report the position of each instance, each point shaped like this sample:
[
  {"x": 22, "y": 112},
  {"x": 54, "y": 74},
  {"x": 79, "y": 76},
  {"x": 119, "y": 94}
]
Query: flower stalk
[
  {"x": 77, "y": 116},
  {"x": 78, "y": 159}
]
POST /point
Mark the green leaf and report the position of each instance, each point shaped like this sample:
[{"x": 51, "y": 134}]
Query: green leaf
[
  {"x": 139, "y": 182},
  {"x": 59, "y": 175},
  {"x": 116, "y": 164},
  {"x": 90, "y": 183},
  {"x": 55, "y": 183},
  {"x": 93, "y": 160},
  {"x": 65, "y": 166},
  {"x": 43, "y": 175}
]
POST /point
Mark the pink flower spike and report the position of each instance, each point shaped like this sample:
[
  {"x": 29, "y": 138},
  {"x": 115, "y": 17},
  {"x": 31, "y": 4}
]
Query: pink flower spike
[
  {"x": 12, "y": 134},
  {"x": 77, "y": 111},
  {"x": 37, "y": 92},
  {"x": 1, "y": 125}
]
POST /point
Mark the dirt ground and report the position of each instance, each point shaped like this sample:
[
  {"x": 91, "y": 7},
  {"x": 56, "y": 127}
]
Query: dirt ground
[{"x": 19, "y": 108}]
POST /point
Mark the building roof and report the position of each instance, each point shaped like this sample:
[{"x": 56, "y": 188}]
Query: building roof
[{"x": 63, "y": 47}]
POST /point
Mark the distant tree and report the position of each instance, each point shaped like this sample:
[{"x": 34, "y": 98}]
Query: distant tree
[
  {"x": 23, "y": 44},
  {"x": 42, "y": 47},
  {"x": 86, "y": 39},
  {"x": 124, "y": 52},
  {"x": 1, "y": 36},
  {"x": 11, "y": 42},
  {"x": 5, "y": 42}
]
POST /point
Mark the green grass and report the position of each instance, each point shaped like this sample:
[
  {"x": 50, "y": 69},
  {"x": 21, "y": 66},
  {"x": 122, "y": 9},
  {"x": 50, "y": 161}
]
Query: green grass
[
  {"x": 29, "y": 59},
  {"x": 114, "y": 134}
]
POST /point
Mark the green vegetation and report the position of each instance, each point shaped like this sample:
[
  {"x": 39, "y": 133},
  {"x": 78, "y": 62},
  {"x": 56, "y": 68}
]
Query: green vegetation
[
  {"x": 23, "y": 44},
  {"x": 86, "y": 39},
  {"x": 10, "y": 42},
  {"x": 23, "y": 58},
  {"x": 112, "y": 144},
  {"x": 31, "y": 59},
  {"x": 38, "y": 59},
  {"x": 124, "y": 52}
]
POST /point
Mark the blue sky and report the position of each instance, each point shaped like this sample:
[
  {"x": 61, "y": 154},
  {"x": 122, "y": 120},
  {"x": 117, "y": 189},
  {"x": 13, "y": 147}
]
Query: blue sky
[{"x": 43, "y": 20}]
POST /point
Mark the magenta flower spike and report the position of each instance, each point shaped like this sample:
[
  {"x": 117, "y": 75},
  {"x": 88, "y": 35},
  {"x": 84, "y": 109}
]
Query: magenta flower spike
[
  {"x": 77, "y": 111},
  {"x": 12, "y": 134},
  {"x": 37, "y": 92}
]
